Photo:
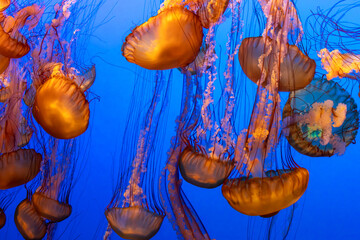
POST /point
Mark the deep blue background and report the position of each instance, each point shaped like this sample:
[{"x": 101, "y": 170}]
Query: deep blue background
[{"x": 328, "y": 210}]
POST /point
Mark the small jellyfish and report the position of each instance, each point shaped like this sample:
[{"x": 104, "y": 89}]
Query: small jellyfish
[
  {"x": 134, "y": 222},
  {"x": 171, "y": 39},
  {"x": 321, "y": 119},
  {"x": 28, "y": 222},
  {"x": 18, "y": 167},
  {"x": 296, "y": 70},
  {"x": 134, "y": 211}
]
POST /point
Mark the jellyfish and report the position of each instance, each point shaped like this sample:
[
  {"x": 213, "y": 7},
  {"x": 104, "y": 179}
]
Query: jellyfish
[
  {"x": 51, "y": 199},
  {"x": 4, "y": 4},
  {"x": 134, "y": 211},
  {"x": 19, "y": 167},
  {"x": 261, "y": 184},
  {"x": 321, "y": 119},
  {"x": 57, "y": 93},
  {"x": 28, "y": 222},
  {"x": 13, "y": 43},
  {"x": 296, "y": 69},
  {"x": 171, "y": 39}
]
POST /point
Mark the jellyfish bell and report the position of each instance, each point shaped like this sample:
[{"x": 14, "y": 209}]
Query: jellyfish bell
[
  {"x": 18, "y": 167},
  {"x": 4, "y": 63},
  {"x": 171, "y": 39},
  {"x": 135, "y": 223},
  {"x": 4, "y": 4},
  {"x": 2, "y": 218},
  {"x": 50, "y": 209},
  {"x": 211, "y": 11},
  {"x": 202, "y": 170},
  {"x": 267, "y": 195},
  {"x": 321, "y": 119},
  {"x": 61, "y": 108},
  {"x": 12, "y": 43},
  {"x": 296, "y": 71},
  {"x": 28, "y": 222}
]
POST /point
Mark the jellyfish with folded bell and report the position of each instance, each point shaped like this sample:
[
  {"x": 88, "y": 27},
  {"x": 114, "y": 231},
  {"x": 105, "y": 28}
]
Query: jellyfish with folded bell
[
  {"x": 135, "y": 211},
  {"x": 57, "y": 93},
  {"x": 321, "y": 119},
  {"x": 262, "y": 185}
]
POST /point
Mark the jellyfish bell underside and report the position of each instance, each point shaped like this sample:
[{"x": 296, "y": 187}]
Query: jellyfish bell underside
[
  {"x": 18, "y": 167},
  {"x": 61, "y": 108},
  {"x": 320, "y": 90},
  {"x": 211, "y": 11},
  {"x": 171, "y": 39},
  {"x": 268, "y": 195},
  {"x": 203, "y": 171},
  {"x": 2, "y": 218},
  {"x": 296, "y": 71},
  {"x": 136, "y": 223},
  {"x": 28, "y": 222},
  {"x": 50, "y": 209}
]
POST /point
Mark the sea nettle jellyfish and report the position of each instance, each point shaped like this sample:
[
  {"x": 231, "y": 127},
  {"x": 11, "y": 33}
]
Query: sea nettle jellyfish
[
  {"x": 296, "y": 69},
  {"x": 13, "y": 44},
  {"x": 28, "y": 222},
  {"x": 321, "y": 119},
  {"x": 261, "y": 185},
  {"x": 134, "y": 211},
  {"x": 171, "y": 39},
  {"x": 56, "y": 94}
]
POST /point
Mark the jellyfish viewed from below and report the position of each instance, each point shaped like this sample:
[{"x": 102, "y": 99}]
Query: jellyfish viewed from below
[
  {"x": 321, "y": 119},
  {"x": 171, "y": 39},
  {"x": 261, "y": 184},
  {"x": 135, "y": 211},
  {"x": 56, "y": 94}
]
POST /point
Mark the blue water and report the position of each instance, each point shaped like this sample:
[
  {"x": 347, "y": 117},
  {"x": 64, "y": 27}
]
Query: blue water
[{"x": 329, "y": 208}]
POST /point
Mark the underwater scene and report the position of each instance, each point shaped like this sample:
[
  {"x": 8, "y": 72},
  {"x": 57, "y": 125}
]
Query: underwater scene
[{"x": 179, "y": 119}]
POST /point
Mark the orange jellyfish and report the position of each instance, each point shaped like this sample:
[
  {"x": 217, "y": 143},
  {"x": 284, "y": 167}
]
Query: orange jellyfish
[
  {"x": 51, "y": 199},
  {"x": 296, "y": 69},
  {"x": 4, "y": 4},
  {"x": 261, "y": 184},
  {"x": 171, "y": 39},
  {"x": 28, "y": 222},
  {"x": 6, "y": 198},
  {"x": 134, "y": 211},
  {"x": 13, "y": 44},
  {"x": 19, "y": 167},
  {"x": 57, "y": 95},
  {"x": 321, "y": 119}
]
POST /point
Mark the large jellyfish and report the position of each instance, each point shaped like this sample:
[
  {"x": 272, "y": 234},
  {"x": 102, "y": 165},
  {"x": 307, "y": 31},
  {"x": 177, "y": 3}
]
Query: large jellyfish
[
  {"x": 168, "y": 40},
  {"x": 321, "y": 119},
  {"x": 261, "y": 184},
  {"x": 135, "y": 211},
  {"x": 56, "y": 94}
]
